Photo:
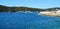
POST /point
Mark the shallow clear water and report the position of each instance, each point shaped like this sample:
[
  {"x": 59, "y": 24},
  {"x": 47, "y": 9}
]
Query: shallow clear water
[{"x": 22, "y": 20}]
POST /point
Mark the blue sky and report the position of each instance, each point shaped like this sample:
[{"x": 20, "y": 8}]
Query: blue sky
[{"x": 32, "y": 3}]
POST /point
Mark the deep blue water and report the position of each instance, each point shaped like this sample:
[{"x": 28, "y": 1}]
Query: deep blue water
[{"x": 22, "y": 20}]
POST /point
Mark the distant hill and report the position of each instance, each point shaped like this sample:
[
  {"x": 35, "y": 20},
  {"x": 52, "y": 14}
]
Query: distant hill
[
  {"x": 15, "y": 9},
  {"x": 52, "y": 9}
]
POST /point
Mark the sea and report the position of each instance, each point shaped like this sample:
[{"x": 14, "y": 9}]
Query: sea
[{"x": 28, "y": 20}]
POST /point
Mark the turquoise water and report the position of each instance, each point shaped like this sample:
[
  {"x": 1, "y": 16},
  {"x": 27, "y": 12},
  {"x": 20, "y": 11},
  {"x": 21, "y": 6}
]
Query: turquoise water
[{"x": 22, "y": 20}]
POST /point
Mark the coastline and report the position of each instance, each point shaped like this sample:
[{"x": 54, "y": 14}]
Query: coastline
[{"x": 50, "y": 13}]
